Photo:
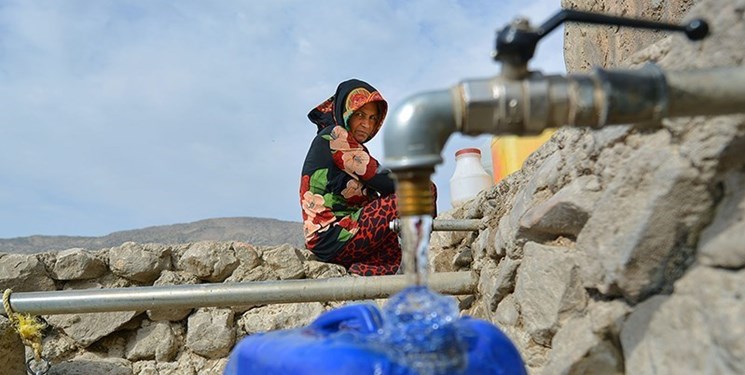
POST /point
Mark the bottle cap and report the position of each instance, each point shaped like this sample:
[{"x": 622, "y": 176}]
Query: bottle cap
[{"x": 467, "y": 151}]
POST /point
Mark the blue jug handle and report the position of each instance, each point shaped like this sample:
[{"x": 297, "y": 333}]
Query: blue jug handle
[{"x": 363, "y": 318}]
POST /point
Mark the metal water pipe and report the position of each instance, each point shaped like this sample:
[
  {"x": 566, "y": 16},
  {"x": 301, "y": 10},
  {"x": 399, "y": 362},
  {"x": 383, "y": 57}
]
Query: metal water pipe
[
  {"x": 521, "y": 102},
  {"x": 232, "y": 294},
  {"x": 446, "y": 225}
]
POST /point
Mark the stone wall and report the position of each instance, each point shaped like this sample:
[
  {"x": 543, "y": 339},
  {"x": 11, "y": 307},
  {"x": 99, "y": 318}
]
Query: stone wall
[
  {"x": 155, "y": 342},
  {"x": 621, "y": 250}
]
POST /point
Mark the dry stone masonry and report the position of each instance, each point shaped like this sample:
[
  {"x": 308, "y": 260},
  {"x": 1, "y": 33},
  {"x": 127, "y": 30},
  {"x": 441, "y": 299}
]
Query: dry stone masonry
[{"x": 191, "y": 341}]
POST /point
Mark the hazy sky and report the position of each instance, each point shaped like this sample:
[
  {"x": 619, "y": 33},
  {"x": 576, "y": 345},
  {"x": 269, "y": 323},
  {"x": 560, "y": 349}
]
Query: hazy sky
[{"x": 119, "y": 115}]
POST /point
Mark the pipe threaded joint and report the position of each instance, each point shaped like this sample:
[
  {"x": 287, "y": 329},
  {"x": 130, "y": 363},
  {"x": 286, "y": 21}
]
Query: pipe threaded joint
[{"x": 414, "y": 194}]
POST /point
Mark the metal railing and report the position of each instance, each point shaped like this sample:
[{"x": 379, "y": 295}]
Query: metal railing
[{"x": 232, "y": 294}]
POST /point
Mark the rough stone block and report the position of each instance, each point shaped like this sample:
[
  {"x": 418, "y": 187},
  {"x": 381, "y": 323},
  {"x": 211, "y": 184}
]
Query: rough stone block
[
  {"x": 322, "y": 270},
  {"x": 697, "y": 330},
  {"x": 211, "y": 332},
  {"x": 496, "y": 280},
  {"x": 153, "y": 341},
  {"x": 641, "y": 224},
  {"x": 209, "y": 261},
  {"x": 88, "y": 328},
  {"x": 77, "y": 264},
  {"x": 88, "y": 364},
  {"x": 24, "y": 273},
  {"x": 139, "y": 263},
  {"x": 548, "y": 288},
  {"x": 286, "y": 261},
  {"x": 566, "y": 212},
  {"x": 284, "y": 316},
  {"x": 722, "y": 243},
  {"x": 12, "y": 354}
]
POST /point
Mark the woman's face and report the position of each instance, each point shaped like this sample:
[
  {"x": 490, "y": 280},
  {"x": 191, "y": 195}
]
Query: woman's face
[{"x": 363, "y": 121}]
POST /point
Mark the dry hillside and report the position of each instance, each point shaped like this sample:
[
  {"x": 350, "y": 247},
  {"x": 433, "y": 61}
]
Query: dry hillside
[{"x": 257, "y": 231}]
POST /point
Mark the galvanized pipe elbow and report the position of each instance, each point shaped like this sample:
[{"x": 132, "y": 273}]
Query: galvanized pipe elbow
[
  {"x": 420, "y": 127},
  {"x": 417, "y": 131}
]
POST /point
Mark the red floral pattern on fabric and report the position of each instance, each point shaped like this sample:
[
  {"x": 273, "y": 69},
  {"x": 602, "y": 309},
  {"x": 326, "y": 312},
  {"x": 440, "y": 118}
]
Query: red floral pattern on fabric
[
  {"x": 356, "y": 99},
  {"x": 355, "y": 192},
  {"x": 355, "y": 161},
  {"x": 348, "y": 224},
  {"x": 326, "y": 106},
  {"x": 313, "y": 204},
  {"x": 350, "y": 156},
  {"x": 316, "y": 216},
  {"x": 375, "y": 249},
  {"x": 309, "y": 230},
  {"x": 340, "y": 140},
  {"x": 375, "y": 96}
]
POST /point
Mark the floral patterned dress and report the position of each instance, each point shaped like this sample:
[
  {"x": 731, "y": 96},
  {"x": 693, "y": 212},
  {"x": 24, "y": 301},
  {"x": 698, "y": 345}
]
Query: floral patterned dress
[{"x": 339, "y": 176}]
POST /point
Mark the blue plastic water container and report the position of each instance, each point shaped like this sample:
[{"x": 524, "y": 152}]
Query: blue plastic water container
[{"x": 357, "y": 339}]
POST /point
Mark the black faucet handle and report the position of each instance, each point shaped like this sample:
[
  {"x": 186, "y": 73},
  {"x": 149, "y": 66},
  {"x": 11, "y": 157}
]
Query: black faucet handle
[{"x": 516, "y": 42}]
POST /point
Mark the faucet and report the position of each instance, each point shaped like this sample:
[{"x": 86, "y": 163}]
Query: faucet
[{"x": 523, "y": 102}]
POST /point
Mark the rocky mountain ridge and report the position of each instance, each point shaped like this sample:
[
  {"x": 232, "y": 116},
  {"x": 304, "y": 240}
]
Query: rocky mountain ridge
[{"x": 257, "y": 231}]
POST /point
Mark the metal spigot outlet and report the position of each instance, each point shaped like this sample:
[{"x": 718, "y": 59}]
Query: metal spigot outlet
[
  {"x": 521, "y": 102},
  {"x": 414, "y": 192}
]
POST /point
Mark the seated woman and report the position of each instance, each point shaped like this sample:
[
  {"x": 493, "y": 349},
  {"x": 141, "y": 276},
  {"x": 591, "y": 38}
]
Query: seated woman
[{"x": 347, "y": 204}]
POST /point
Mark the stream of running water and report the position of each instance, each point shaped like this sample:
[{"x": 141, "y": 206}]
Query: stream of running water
[
  {"x": 415, "y": 233},
  {"x": 418, "y": 329}
]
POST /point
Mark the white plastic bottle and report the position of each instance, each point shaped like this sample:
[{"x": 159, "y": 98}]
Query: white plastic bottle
[{"x": 469, "y": 177}]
